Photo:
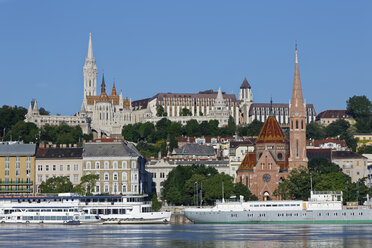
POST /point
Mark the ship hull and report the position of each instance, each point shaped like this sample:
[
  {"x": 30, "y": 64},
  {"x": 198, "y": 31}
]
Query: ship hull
[{"x": 344, "y": 216}]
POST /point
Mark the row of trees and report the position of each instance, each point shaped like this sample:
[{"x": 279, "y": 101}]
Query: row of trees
[
  {"x": 160, "y": 137},
  {"x": 325, "y": 176},
  {"x": 64, "y": 185},
  {"x": 184, "y": 181}
]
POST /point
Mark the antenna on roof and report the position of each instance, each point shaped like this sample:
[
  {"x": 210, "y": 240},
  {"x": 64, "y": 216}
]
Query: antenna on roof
[{"x": 271, "y": 106}]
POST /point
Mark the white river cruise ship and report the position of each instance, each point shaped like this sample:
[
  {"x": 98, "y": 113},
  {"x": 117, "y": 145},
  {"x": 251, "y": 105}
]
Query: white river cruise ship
[
  {"x": 70, "y": 208},
  {"x": 322, "y": 207}
]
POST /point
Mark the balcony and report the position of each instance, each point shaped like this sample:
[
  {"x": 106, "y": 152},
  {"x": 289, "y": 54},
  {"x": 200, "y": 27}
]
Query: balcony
[{"x": 12, "y": 183}]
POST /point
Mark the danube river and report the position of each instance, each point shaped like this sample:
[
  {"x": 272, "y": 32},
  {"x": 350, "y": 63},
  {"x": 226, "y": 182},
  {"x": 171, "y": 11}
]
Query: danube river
[{"x": 186, "y": 236}]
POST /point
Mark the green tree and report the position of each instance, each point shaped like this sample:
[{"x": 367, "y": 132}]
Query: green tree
[
  {"x": 192, "y": 128},
  {"x": 359, "y": 107},
  {"x": 156, "y": 205},
  {"x": 213, "y": 128},
  {"x": 337, "y": 128},
  {"x": 315, "y": 131},
  {"x": 241, "y": 189},
  {"x": 160, "y": 111},
  {"x": 9, "y": 116},
  {"x": 87, "y": 184},
  {"x": 146, "y": 130},
  {"x": 351, "y": 142},
  {"x": 43, "y": 111},
  {"x": 25, "y": 131},
  {"x": 56, "y": 185},
  {"x": 365, "y": 150},
  {"x": 231, "y": 126},
  {"x": 252, "y": 129},
  {"x": 185, "y": 112}
]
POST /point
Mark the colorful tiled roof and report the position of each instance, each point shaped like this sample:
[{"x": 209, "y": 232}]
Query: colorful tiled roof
[
  {"x": 271, "y": 132},
  {"x": 248, "y": 162}
]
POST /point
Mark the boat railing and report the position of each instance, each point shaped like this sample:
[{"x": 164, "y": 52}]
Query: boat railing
[{"x": 327, "y": 192}]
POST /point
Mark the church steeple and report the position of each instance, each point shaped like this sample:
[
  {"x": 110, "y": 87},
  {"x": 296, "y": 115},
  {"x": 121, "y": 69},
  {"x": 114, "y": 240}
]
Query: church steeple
[
  {"x": 113, "y": 92},
  {"x": 90, "y": 72},
  {"x": 297, "y": 118},
  {"x": 103, "y": 85},
  {"x": 90, "y": 47}
]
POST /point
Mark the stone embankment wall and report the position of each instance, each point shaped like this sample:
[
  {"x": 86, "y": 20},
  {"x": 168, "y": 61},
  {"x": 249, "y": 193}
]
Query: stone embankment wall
[{"x": 178, "y": 216}]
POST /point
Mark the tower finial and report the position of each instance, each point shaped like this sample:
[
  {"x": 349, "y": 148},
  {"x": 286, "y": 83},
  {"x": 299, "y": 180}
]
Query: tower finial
[
  {"x": 271, "y": 106},
  {"x": 90, "y": 47},
  {"x": 296, "y": 52}
]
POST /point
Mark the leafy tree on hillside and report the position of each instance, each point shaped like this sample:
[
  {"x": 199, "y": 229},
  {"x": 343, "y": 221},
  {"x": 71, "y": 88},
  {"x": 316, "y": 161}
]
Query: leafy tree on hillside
[
  {"x": 365, "y": 150},
  {"x": 43, "y": 111},
  {"x": 192, "y": 128},
  {"x": 160, "y": 111},
  {"x": 185, "y": 112},
  {"x": 336, "y": 128},
  {"x": 252, "y": 129},
  {"x": 315, "y": 131},
  {"x": 360, "y": 107},
  {"x": 24, "y": 131},
  {"x": 9, "y": 116}
]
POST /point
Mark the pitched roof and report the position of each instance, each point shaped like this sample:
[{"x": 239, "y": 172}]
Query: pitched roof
[
  {"x": 195, "y": 149},
  {"x": 248, "y": 162},
  {"x": 59, "y": 153},
  {"x": 245, "y": 84},
  {"x": 317, "y": 143},
  {"x": 338, "y": 114},
  {"x": 17, "y": 149},
  {"x": 346, "y": 155},
  {"x": 271, "y": 132},
  {"x": 108, "y": 149},
  {"x": 248, "y": 142}
]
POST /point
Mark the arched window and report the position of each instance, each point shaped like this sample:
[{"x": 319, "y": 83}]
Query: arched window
[
  {"x": 115, "y": 164},
  {"x": 297, "y": 152},
  {"x": 115, "y": 176},
  {"x": 106, "y": 164},
  {"x": 302, "y": 124},
  {"x": 296, "y": 124},
  {"x": 124, "y": 188},
  {"x": 124, "y": 164},
  {"x": 88, "y": 166},
  {"x": 90, "y": 83},
  {"x": 124, "y": 176},
  {"x": 106, "y": 176},
  {"x": 291, "y": 124},
  {"x": 97, "y": 165}
]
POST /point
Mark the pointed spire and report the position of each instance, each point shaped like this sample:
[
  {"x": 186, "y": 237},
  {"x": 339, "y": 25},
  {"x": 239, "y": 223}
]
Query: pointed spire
[
  {"x": 113, "y": 92},
  {"x": 90, "y": 47},
  {"x": 36, "y": 107},
  {"x": 271, "y": 107},
  {"x": 219, "y": 97},
  {"x": 297, "y": 99},
  {"x": 245, "y": 84},
  {"x": 30, "y": 107},
  {"x": 103, "y": 85}
]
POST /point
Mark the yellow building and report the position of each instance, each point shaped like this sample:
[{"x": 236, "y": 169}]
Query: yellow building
[
  {"x": 364, "y": 139},
  {"x": 17, "y": 163}
]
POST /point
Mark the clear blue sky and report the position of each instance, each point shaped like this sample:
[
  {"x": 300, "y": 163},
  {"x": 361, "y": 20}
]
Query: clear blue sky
[{"x": 185, "y": 46}]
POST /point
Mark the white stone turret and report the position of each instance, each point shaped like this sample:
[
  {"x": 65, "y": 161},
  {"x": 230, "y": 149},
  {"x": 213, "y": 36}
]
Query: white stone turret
[{"x": 90, "y": 72}]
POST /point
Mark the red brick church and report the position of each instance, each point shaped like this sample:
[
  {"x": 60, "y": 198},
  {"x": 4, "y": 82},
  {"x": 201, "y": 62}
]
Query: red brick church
[{"x": 275, "y": 156}]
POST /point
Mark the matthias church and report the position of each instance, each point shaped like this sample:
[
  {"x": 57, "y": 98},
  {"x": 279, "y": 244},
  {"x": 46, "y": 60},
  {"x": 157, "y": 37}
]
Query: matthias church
[{"x": 105, "y": 114}]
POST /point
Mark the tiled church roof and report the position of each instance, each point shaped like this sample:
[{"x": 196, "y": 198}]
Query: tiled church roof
[
  {"x": 271, "y": 132},
  {"x": 248, "y": 162}
]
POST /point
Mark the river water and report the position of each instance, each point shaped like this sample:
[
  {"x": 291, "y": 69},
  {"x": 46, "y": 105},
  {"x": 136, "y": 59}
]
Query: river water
[{"x": 186, "y": 235}]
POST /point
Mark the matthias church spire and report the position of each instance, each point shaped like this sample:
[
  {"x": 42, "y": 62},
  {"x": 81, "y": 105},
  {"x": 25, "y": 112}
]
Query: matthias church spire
[{"x": 90, "y": 72}]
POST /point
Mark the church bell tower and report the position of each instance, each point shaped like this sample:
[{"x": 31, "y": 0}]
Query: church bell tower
[
  {"x": 90, "y": 72},
  {"x": 297, "y": 118}
]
